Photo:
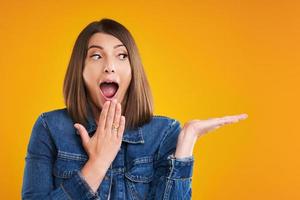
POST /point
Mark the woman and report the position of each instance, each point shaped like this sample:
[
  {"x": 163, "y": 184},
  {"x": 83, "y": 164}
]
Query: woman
[{"x": 106, "y": 143}]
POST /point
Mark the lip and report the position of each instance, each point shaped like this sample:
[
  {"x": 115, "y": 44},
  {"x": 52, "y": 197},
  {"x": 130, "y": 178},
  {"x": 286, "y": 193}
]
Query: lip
[{"x": 109, "y": 80}]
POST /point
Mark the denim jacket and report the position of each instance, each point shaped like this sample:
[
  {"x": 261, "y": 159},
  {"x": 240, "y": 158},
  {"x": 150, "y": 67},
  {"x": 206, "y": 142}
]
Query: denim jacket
[{"x": 144, "y": 167}]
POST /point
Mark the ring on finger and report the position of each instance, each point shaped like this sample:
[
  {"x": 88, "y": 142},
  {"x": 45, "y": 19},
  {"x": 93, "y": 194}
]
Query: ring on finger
[{"x": 115, "y": 127}]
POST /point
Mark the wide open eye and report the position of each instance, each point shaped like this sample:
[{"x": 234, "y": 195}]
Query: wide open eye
[
  {"x": 94, "y": 56},
  {"x": 123, "y": 56}
]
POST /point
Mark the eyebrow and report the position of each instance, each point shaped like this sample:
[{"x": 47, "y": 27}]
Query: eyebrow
[{"x": 100, "y": 47}]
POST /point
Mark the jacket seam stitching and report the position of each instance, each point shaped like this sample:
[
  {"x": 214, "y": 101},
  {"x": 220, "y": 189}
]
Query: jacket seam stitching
[
  {"x": 45, "y": 125},
  {"x": 69, "y": 197},
  {"x": 170, "y": 125},
  {"x": 168, "y": 189}
]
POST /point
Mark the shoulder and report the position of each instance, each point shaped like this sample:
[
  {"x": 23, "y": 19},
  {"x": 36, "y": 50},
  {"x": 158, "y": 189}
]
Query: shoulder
[
  {"x": 162, "y": 128},
  {"x": 45, "y": 123},
  {"x": 172, "y": 125},
  {"x": 56, "y": 119},
  {"x": 164, "y": 122},
  {"x": 55, "y": 116},
  {"x": 55, "y": 113},
  {"x": 166, "y": 131},
  {"x": 58, "y": 126}
]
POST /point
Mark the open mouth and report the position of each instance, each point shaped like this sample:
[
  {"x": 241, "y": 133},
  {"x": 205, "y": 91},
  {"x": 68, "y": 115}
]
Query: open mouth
[{"x": 109, "y": 89}]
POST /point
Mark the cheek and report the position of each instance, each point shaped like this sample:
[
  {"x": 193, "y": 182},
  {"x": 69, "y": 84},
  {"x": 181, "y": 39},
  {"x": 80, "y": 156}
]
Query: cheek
[
  {"x": 86, "y": 77},
  {"x": 89, "y": 81},
  {"x": 90, "y": 75},
  {"x": 126, "y": 77}
]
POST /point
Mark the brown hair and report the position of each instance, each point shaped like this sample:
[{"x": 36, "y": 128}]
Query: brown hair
[{"x": 138, "y": 108}]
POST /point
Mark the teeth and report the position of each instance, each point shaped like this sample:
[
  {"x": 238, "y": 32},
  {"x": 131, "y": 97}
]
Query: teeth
[{"x": 109, "y": 82}]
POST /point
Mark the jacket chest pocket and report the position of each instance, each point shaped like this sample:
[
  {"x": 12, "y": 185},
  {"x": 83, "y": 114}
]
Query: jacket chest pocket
[
  {"x": 66, "y": 165},
  {"x": 139, "y": 175}
]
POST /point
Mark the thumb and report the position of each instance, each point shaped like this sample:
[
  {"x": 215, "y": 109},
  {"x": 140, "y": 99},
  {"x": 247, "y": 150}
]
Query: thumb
[{"x": 83, "y": 134}]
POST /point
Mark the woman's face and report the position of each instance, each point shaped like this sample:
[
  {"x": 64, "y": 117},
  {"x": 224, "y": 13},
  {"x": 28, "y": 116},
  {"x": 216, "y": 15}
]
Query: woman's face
[{"x": 107, "y": 71}]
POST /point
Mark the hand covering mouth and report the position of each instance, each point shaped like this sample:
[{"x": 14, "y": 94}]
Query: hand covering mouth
[{"x": 109, "y": 88}]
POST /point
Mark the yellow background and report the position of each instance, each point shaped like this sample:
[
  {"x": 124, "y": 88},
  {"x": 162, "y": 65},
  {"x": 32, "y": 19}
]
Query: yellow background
[{"x": 203, "y": 59}]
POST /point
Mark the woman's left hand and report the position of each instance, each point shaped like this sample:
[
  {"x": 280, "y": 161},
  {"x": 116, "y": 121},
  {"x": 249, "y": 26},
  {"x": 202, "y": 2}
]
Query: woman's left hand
[{"x": 193, "y": 129}]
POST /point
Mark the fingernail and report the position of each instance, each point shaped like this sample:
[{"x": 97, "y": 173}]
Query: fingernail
[
  {"x": 244, "y": 115},
  {"x": 76, "y": 129}
]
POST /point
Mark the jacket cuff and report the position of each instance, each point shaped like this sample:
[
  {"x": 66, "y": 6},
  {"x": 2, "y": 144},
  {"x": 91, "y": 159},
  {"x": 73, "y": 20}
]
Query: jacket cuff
[
  {"x": 78, "y": 188},
  {"x": 180, "y": 168}
]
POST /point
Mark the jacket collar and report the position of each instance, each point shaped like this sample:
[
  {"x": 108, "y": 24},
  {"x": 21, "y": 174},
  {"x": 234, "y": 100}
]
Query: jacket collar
[{"x": 134, "y": 136}]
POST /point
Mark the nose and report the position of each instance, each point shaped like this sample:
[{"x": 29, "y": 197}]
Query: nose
[{"x": 109, "y": 68}]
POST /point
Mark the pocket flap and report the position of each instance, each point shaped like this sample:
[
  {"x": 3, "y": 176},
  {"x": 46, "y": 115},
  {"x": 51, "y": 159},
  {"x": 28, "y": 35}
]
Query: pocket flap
[{"x": 140, "y": 170}]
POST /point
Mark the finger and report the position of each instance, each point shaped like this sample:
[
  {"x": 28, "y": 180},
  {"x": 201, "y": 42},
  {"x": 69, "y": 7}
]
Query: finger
[
  {"x": 103, "y": 115},
  {"x": 213, "y": 123},
  {"x": 121, "y": 127},
  {"x": 85, "y": 138},
  {"x": 232, "y": 119},
  {"x": 117, "y": 115},
  {"x": 110, "y": 115},
  {"x": 241, "y": 116},
  {"x": 217, "y": 123}
]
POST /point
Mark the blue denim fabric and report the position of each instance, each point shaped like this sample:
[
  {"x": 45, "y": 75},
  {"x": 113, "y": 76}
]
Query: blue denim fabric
[{"x": 144, "y": 167}]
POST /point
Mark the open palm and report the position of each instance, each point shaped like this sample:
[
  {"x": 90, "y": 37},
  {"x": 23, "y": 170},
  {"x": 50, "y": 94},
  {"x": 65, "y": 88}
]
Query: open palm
[
  {"x": 200, "y": 127},
  {"x": 193, "y": 129}
]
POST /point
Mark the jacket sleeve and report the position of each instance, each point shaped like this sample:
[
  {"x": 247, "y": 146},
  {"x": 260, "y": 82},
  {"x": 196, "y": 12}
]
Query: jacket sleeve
[
  {"x": 38, "y": 177},
  {"x": 173, "y": 176}
]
